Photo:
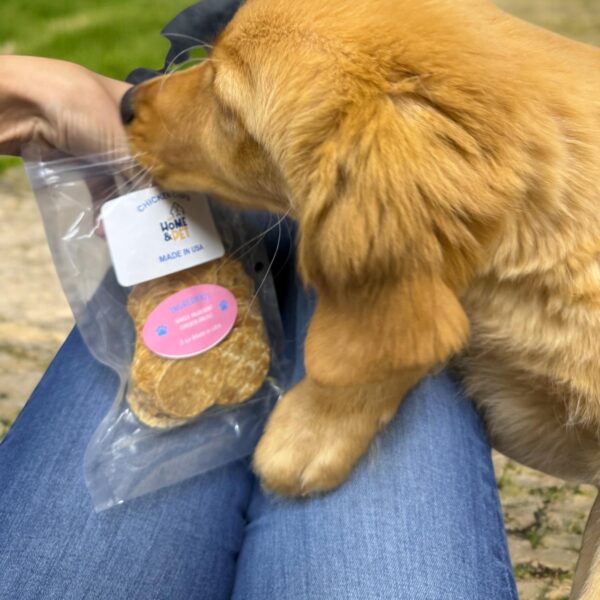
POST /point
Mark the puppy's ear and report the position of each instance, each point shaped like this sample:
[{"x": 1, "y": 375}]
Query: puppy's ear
[{"x": 392, "y": 227}]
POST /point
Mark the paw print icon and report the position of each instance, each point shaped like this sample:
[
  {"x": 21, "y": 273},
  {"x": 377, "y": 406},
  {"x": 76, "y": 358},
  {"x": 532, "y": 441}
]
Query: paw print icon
[
  {"x": 162, "y": 330},
  {"x": 223, "y": 305}
]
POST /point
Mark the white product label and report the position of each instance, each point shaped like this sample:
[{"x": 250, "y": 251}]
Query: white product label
[{"x": 152, "y": 233}]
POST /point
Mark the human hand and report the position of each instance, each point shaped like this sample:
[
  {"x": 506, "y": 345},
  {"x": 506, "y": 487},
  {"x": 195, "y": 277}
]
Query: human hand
[{"x": 59, "y": 105}]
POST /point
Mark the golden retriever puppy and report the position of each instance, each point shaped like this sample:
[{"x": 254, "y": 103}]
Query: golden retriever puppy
[{"x": 442, "y": 160}]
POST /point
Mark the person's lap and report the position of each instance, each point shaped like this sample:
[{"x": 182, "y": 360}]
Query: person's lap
[
  {"x": 54, "y": 546},
  {"x": 418, "y": 519}
]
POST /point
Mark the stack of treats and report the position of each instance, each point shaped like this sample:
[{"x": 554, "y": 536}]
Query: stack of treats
[{"x": 165, "y": 393}]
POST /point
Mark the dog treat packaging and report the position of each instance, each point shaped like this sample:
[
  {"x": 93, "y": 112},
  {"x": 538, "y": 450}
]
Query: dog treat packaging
[{"x": 172, "y": 291}]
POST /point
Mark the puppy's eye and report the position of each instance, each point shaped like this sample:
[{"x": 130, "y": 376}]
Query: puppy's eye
[
  {"x": 227, "y": 112},
  {"x": 227, "y": 116},
  {"x": 223, "y": 87}
]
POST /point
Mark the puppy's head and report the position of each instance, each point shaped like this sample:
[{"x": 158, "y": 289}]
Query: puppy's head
[{"x": 362, "y": 119}]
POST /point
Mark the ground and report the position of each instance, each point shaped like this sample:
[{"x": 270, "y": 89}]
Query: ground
[
  {"x": 544, "y": 518},
  {"x": 34, "y": 316}
]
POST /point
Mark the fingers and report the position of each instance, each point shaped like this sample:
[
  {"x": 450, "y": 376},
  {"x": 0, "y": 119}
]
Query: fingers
[{"x": 60, "y": 105}]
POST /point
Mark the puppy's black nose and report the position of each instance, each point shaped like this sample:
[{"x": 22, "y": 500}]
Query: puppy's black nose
[{"x": 127, "y": 110}]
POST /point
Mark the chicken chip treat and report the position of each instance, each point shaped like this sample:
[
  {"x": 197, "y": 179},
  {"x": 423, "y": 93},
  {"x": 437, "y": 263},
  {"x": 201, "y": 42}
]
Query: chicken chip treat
[
  {"x": 172, "y": 291},
  {"x": 165, "y": 391}
]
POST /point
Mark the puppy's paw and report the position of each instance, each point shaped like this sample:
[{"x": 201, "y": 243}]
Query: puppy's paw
[{"x": 312, "y": 441}]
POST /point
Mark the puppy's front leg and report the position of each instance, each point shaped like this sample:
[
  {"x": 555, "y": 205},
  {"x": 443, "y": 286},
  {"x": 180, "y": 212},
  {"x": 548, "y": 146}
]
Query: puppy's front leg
[
  {"x": 316, "y": 434},
  {"x": 362, "y": 355}
]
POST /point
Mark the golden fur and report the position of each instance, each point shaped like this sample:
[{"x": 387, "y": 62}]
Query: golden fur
[{"x": 443, "y": 162}]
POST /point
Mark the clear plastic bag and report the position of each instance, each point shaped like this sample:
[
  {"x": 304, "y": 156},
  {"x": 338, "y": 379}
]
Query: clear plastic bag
[{"x": 125, "y": 457}]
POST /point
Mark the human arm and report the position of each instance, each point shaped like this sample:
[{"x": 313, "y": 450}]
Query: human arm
[{"x": 58, "y": 104}]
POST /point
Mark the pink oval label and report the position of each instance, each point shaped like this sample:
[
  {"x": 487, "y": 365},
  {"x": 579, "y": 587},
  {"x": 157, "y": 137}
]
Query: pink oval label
[{"x": 191, "y": 321}]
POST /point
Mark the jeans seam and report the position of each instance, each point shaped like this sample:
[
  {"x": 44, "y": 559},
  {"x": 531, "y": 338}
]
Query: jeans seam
[{"x": 247, "y": 520}]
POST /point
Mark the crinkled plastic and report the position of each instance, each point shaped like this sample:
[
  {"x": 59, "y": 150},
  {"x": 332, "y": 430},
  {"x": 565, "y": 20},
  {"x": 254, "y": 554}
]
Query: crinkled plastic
[{"x": 125, "y": 458}]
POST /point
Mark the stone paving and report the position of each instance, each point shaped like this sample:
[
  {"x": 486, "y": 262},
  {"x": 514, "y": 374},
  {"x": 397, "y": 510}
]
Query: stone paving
[
  {"x": 544, "y": 518},
  {"x": 34, "y": 316}
]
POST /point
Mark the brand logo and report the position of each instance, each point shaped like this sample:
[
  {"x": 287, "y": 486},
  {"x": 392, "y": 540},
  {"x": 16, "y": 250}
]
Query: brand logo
[{"x": 175, "y": 228}]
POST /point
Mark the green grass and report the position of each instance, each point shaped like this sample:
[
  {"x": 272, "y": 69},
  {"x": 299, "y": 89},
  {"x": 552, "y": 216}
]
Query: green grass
[
  {"x": 111, "y": 37},
  {"x": 578, "y": 19},
  {"x": 7, "y": 162}
]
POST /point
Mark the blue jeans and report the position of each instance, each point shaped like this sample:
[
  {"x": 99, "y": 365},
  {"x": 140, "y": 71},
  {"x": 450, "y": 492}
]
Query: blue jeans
[{"x": 418, "y": 519}]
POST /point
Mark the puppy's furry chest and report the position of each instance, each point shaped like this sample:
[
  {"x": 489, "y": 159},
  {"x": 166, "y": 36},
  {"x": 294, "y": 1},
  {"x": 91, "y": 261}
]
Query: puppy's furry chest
[{"x": 542, "y": 329}]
